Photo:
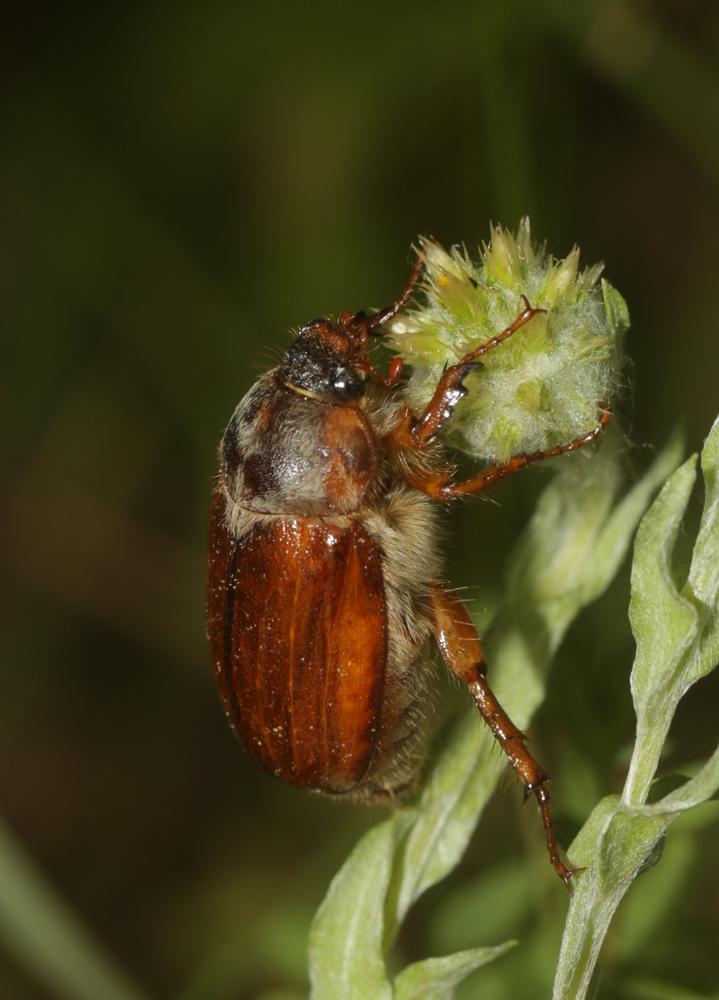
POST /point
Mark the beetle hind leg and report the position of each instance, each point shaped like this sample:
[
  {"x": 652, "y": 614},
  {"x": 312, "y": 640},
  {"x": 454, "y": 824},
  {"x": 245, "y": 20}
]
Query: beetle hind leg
[{"x": 461, "y": 650}]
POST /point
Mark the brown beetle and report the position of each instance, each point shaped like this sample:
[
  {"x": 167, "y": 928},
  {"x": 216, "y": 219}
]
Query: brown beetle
[{"x": 324, "y": 575}]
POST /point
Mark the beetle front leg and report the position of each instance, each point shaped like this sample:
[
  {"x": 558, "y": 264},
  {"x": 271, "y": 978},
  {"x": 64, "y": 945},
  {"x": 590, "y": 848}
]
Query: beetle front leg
[
  {"x": 461, "y": 650},
  {"x": 439, "y": 486},
  {"x": 413, "y": 433}
]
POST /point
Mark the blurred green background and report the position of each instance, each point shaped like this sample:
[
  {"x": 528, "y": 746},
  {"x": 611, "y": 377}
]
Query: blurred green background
[{"x": 180, "y": 184}]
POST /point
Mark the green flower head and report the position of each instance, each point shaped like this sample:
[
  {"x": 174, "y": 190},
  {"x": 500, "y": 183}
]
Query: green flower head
[{"x": 542, "y": 386}]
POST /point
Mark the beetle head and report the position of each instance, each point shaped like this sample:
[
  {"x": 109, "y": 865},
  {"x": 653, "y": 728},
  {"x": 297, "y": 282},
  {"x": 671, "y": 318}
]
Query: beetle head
[{"x": 329, "y": 360}]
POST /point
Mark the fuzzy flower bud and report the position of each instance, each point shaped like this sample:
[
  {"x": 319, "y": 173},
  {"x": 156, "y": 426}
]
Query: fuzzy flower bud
[{"x": 542, "y": 386}]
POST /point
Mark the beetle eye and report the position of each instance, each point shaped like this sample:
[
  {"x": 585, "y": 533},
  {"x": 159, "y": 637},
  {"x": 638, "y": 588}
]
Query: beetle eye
[
  {"x": 347, "y": 384},
  {"x": 311, "y": 365}
]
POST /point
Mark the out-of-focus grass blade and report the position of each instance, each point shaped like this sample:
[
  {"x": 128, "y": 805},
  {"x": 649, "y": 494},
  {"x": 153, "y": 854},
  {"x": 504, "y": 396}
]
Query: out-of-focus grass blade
[
  {"x": 491, "y": 905},
  {"x": 654, "y": 989},
  {"x": 652, "y": 900},
  {"x": 43, "y": 934},
  {"x": 282, "y": 994},
  {"x": 652, "y": 65}
]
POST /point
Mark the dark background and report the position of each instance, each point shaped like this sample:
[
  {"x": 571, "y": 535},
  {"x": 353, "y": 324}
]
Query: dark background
[{"x": 180, "y": 184}]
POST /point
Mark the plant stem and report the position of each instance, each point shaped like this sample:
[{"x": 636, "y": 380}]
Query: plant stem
[{"x": 651, "y": 736}]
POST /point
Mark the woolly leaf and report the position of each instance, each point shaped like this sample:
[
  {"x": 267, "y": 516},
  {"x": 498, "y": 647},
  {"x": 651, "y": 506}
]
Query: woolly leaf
[
  {"x": 616, "y": 844},
  {"x": 663, "y": 621},
  {"x": 702, "y": 586},
  {"x": 675, "y": 627},
  {"x": 437, "y": 978},
  {"x": 346, "y": 940},
  {"x": 675, "y": 632}
]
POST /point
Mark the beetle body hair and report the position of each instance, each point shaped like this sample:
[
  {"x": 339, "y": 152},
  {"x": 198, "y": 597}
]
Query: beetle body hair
[{"x": 273, "y": 465}]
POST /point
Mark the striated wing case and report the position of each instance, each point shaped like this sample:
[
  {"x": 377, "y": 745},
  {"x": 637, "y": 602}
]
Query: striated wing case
[{"x": 297, "y": 624}]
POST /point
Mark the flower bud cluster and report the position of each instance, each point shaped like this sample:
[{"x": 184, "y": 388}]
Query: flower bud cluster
[{"x": 543, "y": 385}]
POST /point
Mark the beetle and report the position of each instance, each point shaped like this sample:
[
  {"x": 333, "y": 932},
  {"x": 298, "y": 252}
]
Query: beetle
[{"x": 325, "y": 585}]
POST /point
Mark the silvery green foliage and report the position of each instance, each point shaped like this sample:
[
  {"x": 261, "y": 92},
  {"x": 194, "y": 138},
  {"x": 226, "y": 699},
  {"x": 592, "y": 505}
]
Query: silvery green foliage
[
  {"x": 676, "y": 627},
  {"x": 568, "y": 555},
  {"x": 540, "y": 387}
]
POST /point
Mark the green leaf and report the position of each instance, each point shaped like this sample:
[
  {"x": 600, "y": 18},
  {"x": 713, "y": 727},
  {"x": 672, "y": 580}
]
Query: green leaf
[
  {"x": 576, "y": 539},
  {"x": 676, "y": 628},
  {"x": 456, "y": 789},
  {"x": 611, "y": 545},
  {"x": 698, "y": 789},
  {"x": 623, "y": 838},
  {"x": 663, "y": 622},
  {"x": 437, "y": 978},
  {"x": 702, "y": 585},
  {"x": 704, "y": 573},
  {"x": 346, "y": 938},
  {"x": 614, "y": 845}
]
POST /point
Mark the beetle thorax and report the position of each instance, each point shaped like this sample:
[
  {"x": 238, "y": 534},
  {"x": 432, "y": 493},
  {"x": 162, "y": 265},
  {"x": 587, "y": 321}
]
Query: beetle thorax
[{"x": 287, "y": 451}]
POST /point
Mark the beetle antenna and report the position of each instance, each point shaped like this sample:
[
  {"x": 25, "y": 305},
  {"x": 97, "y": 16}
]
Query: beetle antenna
[{"x": 385, "y": 315}]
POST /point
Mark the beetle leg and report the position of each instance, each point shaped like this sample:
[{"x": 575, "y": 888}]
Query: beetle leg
[
  {"x": 413, "y": 433},
  {"x": 461, "y": 650},
  {"x": 438, "y": 486},
  {"x": 394, "y": 372}
]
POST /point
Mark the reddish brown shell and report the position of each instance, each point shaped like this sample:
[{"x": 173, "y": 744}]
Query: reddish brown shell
[{"x": 297, "y": 624}]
